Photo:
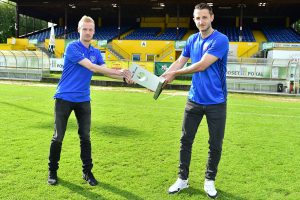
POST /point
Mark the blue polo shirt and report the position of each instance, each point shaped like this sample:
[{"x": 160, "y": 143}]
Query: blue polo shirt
[
  {"x": 74, "y": 85},
  {"x": 209, "y": 86}
]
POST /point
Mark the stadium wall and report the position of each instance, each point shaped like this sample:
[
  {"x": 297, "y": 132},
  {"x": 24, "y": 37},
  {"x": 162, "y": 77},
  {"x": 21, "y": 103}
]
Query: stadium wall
[
  {"x": 144, "y": 48},
  {"x": 59, "y": 47},
  {"x": 246, "y": 49},
  {"x": 163, "y": 51},
  {"x": 259, "y": 36},
  {"x": 110, "y": 56},
  {"x": 19, "y": 41},
  {"x": 19, "y": 44},
  {"x": 182, "y": 22},
  {"x": 165, "y": 22}
]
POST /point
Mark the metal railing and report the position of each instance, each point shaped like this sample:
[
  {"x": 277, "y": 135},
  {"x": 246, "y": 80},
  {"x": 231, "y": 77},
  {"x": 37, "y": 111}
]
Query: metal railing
[
  {"x": 120, "y": 51},
  {"x": 165, "y": 52}
]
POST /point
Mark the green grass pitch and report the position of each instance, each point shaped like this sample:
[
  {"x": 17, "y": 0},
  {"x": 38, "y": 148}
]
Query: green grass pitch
[{"x": 135, "y": 144}]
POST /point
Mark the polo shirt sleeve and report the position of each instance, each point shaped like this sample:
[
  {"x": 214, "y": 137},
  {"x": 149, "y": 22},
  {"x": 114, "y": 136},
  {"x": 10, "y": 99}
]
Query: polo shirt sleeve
[
  {"x": 73, "y": 53},
  {"x": 219, "y": 47},
  {"x": 186, "y": 51},
  {"x": 100, "y": 60}
]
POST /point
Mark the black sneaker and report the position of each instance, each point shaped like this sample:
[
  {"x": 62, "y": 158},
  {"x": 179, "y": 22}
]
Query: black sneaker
[
  {"x": 52, "y": 178},
  {"x": 89, "y": 177}
]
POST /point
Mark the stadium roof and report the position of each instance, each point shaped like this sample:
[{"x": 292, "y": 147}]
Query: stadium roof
[{"x": 55, "y": 9}]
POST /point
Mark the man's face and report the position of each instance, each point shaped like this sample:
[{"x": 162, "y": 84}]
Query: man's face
[
  {"x": 203, "y": 19},
  {"x": 86, "y": 31}
]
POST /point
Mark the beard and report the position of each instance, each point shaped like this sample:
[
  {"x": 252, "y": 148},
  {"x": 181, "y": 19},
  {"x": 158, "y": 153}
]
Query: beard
[{"x": 206, "y": 30}]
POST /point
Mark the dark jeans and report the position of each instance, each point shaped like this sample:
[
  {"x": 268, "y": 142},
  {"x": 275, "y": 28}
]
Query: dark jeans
[
  {"x": 82, "y": 112},
  {"x": 216, "y": 119}
]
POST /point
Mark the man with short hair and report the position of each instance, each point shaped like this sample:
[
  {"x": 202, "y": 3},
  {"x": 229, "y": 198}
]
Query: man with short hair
[
  {"x": 208, "y": 52},
  {"x": 81, "y": 60}
]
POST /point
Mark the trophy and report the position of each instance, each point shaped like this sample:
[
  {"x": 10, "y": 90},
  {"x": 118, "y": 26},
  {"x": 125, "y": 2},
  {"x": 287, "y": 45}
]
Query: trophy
[{"x": 146, "y": 79}]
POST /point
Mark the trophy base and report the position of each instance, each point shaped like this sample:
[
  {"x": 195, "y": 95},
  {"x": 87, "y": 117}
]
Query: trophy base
[{"x": 158, "y": 89}]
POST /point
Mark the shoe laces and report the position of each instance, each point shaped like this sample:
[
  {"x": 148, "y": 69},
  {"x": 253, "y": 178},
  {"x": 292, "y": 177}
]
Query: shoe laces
[
  {"x": 181, "y": 182},
  {"x": 209, "y": 186}
]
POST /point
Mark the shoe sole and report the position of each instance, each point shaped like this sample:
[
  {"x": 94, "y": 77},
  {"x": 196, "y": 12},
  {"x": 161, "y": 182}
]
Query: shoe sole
[
  {"x": 178, "y": 190},
  {"x": 212, "y": 197},
  {"x": 52, "y": 183},
  {"x": 94, "y": 184}
]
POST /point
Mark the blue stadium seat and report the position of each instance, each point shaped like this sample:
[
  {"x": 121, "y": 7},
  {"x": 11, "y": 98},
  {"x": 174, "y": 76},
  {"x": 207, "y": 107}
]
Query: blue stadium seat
[
  {"x": 148, "y": 33},
  {"x": 280, "y": 34},
  {"x": 151, "y": 33},
  {"x": 233, "y": 33},
  {"x": 41, "y": 36}
]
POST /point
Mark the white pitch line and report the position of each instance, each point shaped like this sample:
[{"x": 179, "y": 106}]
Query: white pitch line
[{"x": 167, "y": 97}]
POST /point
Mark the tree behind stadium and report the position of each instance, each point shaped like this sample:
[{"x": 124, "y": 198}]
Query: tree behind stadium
[{"x": 8, "y": 21}]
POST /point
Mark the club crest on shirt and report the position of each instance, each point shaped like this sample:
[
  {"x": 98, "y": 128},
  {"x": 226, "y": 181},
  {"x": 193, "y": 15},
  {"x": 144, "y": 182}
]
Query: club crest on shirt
[{"x": 92, "y": 58}]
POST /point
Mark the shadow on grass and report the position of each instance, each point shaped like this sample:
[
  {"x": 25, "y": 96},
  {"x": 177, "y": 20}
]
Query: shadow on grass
[
  {"x": 191, "y": 191},
  {"x": 49, "y": 125},
  {"x": 26, "y": 109},
  {"x": 115, "y": 130},
  {"x": 120, "y": 192},
  {"x": 96, "y": 129},
  {"x": 80, "y": 190},
  {"x": 227, "y": 195},
  {"x": 91, "y": 195},
  {"x": 202, "y": 195}
]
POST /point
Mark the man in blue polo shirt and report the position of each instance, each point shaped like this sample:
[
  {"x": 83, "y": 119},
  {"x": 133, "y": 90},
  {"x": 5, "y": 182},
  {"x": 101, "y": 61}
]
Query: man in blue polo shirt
[
  {"x": 81, "y": 60},
  {"x": 208, "y": 52}
]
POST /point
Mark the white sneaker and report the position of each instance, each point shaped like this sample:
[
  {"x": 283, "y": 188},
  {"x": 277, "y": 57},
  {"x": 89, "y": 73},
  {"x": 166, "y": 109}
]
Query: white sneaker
[
  {"x": 178, "y": 185},
  {"x": 209, "y": 188}
]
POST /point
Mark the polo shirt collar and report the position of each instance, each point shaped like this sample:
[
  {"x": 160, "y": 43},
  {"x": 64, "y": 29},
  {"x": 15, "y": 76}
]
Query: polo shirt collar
[
  {"x": 208, "y": 36},
  {"x": 90, "y": 46}
]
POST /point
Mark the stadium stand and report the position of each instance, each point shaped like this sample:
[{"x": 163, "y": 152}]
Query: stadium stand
[
  {"x": 171, "y": 34},
  {"x": 102, "y": 33},
  {"x": 45, "y": 34},
  {"x": 280, "y": 34},
  {"x": 109, "y": 33},
  {"x": 233, "y": 33},
  {"x": 152, "y": 33},
  {"x": 73, "y": 35},
  {"x": 148, "y": 33}
]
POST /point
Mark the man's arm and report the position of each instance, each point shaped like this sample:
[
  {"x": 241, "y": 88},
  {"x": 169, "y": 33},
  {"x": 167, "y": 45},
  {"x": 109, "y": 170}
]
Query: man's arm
[
  {"x": 202, "y": 65},
  {"x": 124, "y": 78},
  {"x": 113, "y": 73},
  {"x": 177, "y": 65},
  {"x": 206, "y": 61}
]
